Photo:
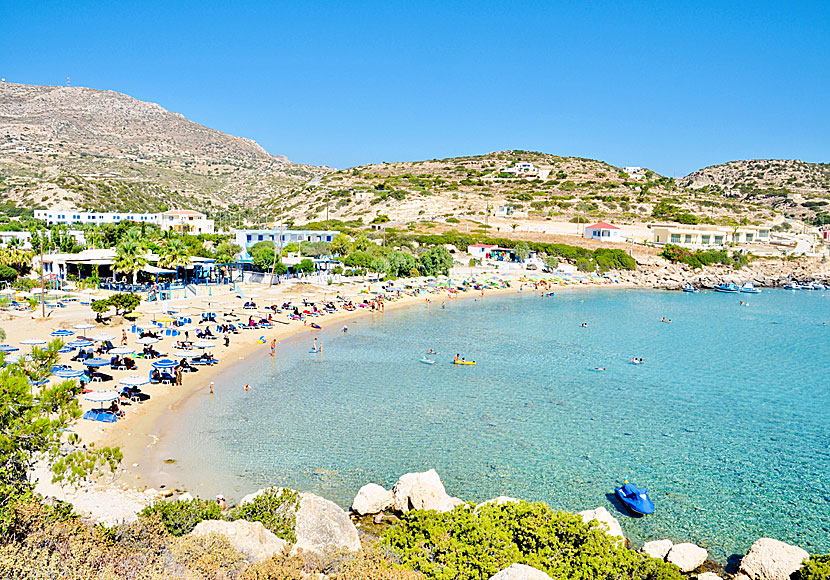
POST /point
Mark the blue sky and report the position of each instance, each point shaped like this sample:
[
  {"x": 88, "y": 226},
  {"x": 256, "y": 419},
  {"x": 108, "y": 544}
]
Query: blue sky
[{"x": 673, "y": 86}]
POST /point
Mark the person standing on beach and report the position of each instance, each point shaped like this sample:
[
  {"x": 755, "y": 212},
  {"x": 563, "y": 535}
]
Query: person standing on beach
[
  {"x": 227, "y": 338},
  {"x": 273, "y": 346},
  {"x": 314, "y": 345},
  {"x": 123, "y": 338},
  {"x": 211, "y": 387},
  {"x": 179, "y": 376}
]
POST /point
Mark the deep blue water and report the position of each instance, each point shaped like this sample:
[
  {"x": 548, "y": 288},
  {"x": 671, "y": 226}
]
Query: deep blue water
[{"x": 727, "y": 422}]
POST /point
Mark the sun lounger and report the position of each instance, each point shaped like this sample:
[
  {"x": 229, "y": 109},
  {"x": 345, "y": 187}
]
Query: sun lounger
[
  {"x": 107, "y": 417},
  {"x": 90, "y": 415}
]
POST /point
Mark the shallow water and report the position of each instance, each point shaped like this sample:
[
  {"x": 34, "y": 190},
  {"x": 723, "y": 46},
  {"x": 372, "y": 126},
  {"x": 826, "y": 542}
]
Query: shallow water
[{"x": 727, "y": 422}]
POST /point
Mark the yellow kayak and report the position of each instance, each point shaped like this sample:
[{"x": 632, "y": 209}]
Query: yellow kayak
[{"x": 464, "y": 362}]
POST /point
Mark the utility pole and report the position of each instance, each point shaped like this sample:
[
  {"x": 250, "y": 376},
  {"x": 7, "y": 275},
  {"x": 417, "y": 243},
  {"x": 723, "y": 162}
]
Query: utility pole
[
  {"x": 327, "y": 210},
  {"x": 276, "y": 254},
  {"x": 42, "y": 286}
]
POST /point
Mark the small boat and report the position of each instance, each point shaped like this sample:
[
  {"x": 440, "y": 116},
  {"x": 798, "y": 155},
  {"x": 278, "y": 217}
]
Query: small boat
[
  {"x": 793, "y": 285},
  {"x": 817, "y": 286},
  {"x": 690, "y": 288},
  {"x": 729, "y": 287},
  {"x": 635, "y": 498},
  {"x": 427, "y": 361},
  {"x": 749, "y": 288}
]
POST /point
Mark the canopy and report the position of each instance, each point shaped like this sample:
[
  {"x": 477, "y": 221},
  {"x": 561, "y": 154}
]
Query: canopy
[
  {"x": 64, "y": 349},
  {"x": 134, "y": 381},
  {"x": 184, "y": 354},
  {"x": 8, "y": 348},
  {"x": 102, "y": 396},
  {"x": 62, "y": 332},
  {"x": 103, "y": 337},
  {"x": 147, "y": 340},
  {"x": 165, "y": 363},
  {"x": 203, "y": 344},
  {"x": 68, "y": 373},
  {"x": 96, "y": 362},
  {"x": 156, "y": 270},
  {"x": 164, "y": 319},
  {"x": 121, "y": 350},
  {"x": 33, "y": 341},
  {"x": 80, "y": 343},
  {"x": 83, "y": 326}
]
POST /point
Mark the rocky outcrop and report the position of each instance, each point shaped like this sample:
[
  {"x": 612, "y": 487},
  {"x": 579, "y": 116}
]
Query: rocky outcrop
[
  {"x": 608, "y": 523},
  {"x": 520, "y": 572},
  {"x": 371, "y": 499},
  {"x": 321, "y": 525},
  {"x": 422, "y": 491},
  {"x": 687, "y": 557},
  {"x": 770, "y": 559},
  {"x": 251, "y": 539},
  {"x": 657, "y": 549}
]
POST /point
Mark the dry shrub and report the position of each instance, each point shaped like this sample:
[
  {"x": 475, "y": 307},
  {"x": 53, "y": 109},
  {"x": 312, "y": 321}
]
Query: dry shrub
[{"x": 211, "y": 557}]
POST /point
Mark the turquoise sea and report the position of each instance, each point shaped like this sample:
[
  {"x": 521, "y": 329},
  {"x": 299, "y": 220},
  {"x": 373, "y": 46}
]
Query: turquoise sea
[{"x": 727, "y": 422}]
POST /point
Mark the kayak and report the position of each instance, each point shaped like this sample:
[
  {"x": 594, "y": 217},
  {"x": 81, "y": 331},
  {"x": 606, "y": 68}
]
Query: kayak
[
  {"x": 464, "y": 362},
  {"x": 635, "y": 498}
]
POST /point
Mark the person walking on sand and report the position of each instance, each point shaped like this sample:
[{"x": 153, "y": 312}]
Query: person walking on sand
[
  {"x": 179, "y": 376},
  {"x": 227, "y": 338},
  {"x": 273, "y": 346},
  {"x": 211, "y": 387},
  {"x": 123, "y": 338}
]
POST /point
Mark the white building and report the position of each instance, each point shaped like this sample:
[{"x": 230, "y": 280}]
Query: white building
[
  {"x": 707, "y": 235},
  {"x": 247, "y": 238},
  {"x": 636, "y": 172},
  {"x": 480, "y": 251},
  {"x": 505, "y": 211},
  {"x": 527, "y": 169},
  {"x": 603, "y": 232},
  {"x": 178, "y": 220}
]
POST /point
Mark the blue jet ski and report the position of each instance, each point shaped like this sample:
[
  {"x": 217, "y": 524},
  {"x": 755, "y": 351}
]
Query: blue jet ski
[{"x": 635, "y": 498}]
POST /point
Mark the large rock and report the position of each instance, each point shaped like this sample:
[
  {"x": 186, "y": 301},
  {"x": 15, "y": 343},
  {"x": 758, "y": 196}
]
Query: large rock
[
  {"x": 251, "y": 539},
  {"x": 608, "y": 523},
  {"x": 770, "y": 559},
  {"x": 321, "y": 525},
  {"x": 657, "y": 549},
  {"x": 422, "y": 491},
  {"x": 371, "y": 499},
  {"x": 687, "y": 556},
  {"x": 520, "y": 572}
]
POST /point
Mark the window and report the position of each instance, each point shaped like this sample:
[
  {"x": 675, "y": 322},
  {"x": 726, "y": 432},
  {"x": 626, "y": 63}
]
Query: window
[
  {"x": 688, "y": 238},
  {"x": 260, "y": 238},
  {"x": 763, "y": 233},
  {"x": 749, "y": 238},
  {"x": 706, "y": 239},
  {"x": 719, "y": 240},
  {"x": 675, "y": 238}
]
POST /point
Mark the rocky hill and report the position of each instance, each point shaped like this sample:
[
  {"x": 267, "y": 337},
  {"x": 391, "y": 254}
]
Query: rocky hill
[
  {"x": 795, "y": 188},
  {"x": 79, "y": 147}
]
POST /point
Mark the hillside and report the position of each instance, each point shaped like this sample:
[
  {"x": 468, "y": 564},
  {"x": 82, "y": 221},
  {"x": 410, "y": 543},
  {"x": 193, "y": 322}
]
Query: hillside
[
  {"x": 795, "y": 188},
  {"x": 79, "y": 147},
  {"x": 569, "y": 188}
]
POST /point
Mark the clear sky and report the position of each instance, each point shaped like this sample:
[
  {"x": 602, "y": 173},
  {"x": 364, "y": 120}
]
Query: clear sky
[{"x": 670, "y": 85}]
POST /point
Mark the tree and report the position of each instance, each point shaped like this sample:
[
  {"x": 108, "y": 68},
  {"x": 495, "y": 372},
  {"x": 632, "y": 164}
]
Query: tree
[
  {"x": 380, "y": 265},
  {"x": 17, "y": 258},
  {"x": 306, "y": 266},
  {"x": 129, "y": 258},
  {"x": 124, "y": 302},
  {"x": 522, "y": 251},
  {"x": 341, "y": 245},
  {"x": 437, "y": 261},
  {"x": 359, "y": 260},
  {"x": 291, "y": 248},
  {"x": 262, "y": 255},
  {"x": 8, "y": 274},
  {"x": 551, "y": 262},
  {"x": 401, "y": 264},
  {"x": 32, "y": 428},
  {"x": 226, "y": 252},
  {"x": 361, "y": 242},
  {"x": 174, "y": 255},
  {"x": 315, "y": 249}
]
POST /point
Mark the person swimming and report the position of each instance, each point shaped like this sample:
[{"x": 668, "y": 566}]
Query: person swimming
[
  {"x": 455, "y": 360},
  {"x": 432, "y": 352}
]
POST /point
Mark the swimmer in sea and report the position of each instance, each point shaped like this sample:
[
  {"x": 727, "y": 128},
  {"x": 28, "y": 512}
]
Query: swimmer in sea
[
  {"x": 584, "y": 325},
  {"x": 314, "y": 345},
  {"x": 455, "y": 360}
]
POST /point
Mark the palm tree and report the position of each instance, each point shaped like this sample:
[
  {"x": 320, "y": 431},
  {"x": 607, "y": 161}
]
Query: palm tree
[
  {"x": 226, "y": 252},
  {"x": 129, "y": 258},
  {"x": 174, "y": 254}
]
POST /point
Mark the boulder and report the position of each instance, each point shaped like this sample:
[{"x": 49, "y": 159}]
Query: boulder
[
  {"x": 608, "y": 523},
  {"x": 687, "y": 556},
  {"x": 520, "y": 572},
  {"x": 708, "y": 576},
  {"x": 770, "y": 559},
  {"x": 251, "y": 539},
  {"x": 185, "y": 497},
  {"x": 501, "y": 500},
  {"x": 371, "y": 499},
  {"x": 321, "y": 525},
  {"x": 422, "y": 491},
  {"x": 657, "y": 549}
]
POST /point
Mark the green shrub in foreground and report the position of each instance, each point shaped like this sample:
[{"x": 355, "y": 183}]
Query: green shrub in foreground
[
  {"x": 276, "y": 509},
  {"x": 462, "y": 545},
  {"x": 180, "y": 517},
  {"x": 816, "y": 568}
]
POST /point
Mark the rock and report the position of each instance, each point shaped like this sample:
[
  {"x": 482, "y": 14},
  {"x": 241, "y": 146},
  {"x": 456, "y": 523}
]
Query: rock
[
  {"x": 770, "y": 559},
  {"x": 608, "y": 523},
  {"x": 657, "y": 549},
  {"x": 185, "y": 497},
  {"x": 251, "y": 539},
  {"x": 708, "y": 576},
  {"x": 520, "y": 572},
  {"x": 687, "y": 556},
  {"x": 371, "y": 499},
  {"x": 501, "y": 500},
  {"x": 321, "y": 525},
  {"x": 422, "y": 491}
]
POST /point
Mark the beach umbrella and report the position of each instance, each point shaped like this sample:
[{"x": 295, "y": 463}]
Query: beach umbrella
[
  {"x": 61, "y": 332},
  {"x": 102, "y": 397},
  {"x": 165, "y": 363},
  {"x": 8, "y": 348},
  {"x": 132, "y": 315},
  {"x": 39, "y": 383},
  {"x": 103, "y": 337},
  {"x": 134, "y": 381},
  {"x": 188, "y": 328},
  {"x": 183, "y": 354},
  {"x": 96, "y": 362},
  {"x": 64, "y": 349},
  {"x": 147, "y": 340},
  {"x": 7, "y": 291},
  {"x": 203, "y": 344},
  {"x": 164, "y": 319},
  {"x": 121, "y": 350},
  {"x": 66, "y": 373},
  {"x": 83, "y": 326},
  {"x": 33, "y": 341},
  {"x": 80, "y": 343}
]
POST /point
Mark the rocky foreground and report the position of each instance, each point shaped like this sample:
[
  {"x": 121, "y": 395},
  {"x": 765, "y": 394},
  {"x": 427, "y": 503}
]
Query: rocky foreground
[{"x": 323, "y": 527}]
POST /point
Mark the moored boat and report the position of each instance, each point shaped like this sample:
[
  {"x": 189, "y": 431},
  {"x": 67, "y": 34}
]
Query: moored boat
[
  {"x": 792, "y": 285},
  {"x": 749, "y": 288},
  {"x": 728, "y": 287},
  {"x": 635, "y": 498},
  {"x": 690, "y": 288}
]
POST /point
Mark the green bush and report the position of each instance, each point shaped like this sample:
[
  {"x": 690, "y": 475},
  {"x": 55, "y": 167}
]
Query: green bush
[
  {"x": 700, "y": 258},
  {"x": 180, "y": 517},
  {"x": 7, "y": 274},
  {"x": 464, "y": 545},
  {"x": 816, "y": 568},
  {"x": 276, "y": 509}
]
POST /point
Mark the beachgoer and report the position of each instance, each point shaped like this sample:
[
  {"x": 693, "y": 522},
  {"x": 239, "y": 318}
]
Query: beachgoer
[
  {"x": 247, "y": 387},
  {"x": 663, "y": 319},
  {"x": 378, "y": 518},
  {"x": 211, "y": 388},
  {"x": 314, "y": 345},
  {"x": 345, "y": 329},
  {"x": 220, "y": 501},
  {"x": 123, "y": 338},
  {"x": 584, "y": 325},
  {"x": 227, "y": 339},
  {"x": 273, "y": 346},
  {"x": 455, "y": 360}
]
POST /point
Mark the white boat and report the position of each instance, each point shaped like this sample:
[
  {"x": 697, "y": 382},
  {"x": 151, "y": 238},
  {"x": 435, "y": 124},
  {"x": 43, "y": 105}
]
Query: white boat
[
  {"x": 817, "y": 286},
  {"x": 792, "y": 285},
  {"x": 749, "y": 288},
  {"x": 427, "y": 361}
]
